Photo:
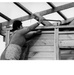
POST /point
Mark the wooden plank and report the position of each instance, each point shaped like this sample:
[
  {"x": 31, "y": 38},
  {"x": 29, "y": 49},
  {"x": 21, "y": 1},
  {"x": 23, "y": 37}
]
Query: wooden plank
[
  {"x": 55, "y": 26},
  {"x": 45, "y": 12},
  {"x": 66, "y": 32},
  {"x": 65, "y": 22},
  {"x": 4, "y": 16},
  {"x": 23, "y": 8},
  {"x": 47, "y": 32},
  {"x": 42, "y": 48},
  {"x": 66, "y": 47},
  {"x": 24, "y": 18},
  {"x": 66, "y": 37},
  {"x": 46, "y": 36},
  {"x": 59, "y": 12},
  {"x": 72, "y": 23},
  {"x": 41, "y": 58},
  {"x": 59, "y": 8},
  {"x": 42, "y": 42},
  {"x": 40, "y": 18},
  {"x": 66, "y": 43},
  {"x": 65, "y": 52},
  {"x": 37, "y": 16},
  {"x": 67, "y": 55},
  {"x": 41, "y": 54}
]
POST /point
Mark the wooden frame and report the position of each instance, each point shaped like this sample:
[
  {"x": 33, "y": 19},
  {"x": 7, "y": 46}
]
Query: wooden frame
[
  {"x": 39, "y": 17},
  {"x": 59, "y": 12},
  {"x": 42, "y": 13},
  {"x": 36, "y": 16},
  {"x": 72, "y": 23},
  {"x": 4, "y": 16}
]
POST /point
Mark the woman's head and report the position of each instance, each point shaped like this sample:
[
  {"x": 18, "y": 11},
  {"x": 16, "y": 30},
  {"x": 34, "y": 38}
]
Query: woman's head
[{"x": 16, "y": 25}]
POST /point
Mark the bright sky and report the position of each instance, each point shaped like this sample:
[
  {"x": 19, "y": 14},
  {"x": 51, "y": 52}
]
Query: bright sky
[{"x": 12, "y": 11}]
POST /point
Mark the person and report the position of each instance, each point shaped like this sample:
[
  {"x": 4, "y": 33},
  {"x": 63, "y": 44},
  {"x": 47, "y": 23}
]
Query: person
[{"x": 19, "y": 38}]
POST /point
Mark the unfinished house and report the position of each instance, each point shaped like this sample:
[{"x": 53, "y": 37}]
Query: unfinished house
[{"x": 56, "y": 41}]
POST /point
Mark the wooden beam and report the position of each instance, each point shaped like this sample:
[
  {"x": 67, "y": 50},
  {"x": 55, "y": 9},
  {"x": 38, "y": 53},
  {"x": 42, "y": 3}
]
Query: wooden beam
[
  {"x": 45, "y": 12},
  {"x": 4, "y": 16},
  {"x": 66, "y": 22},
  {"x": 24, "y": 18},
  {"x": 72, "y": 23},
  {"x": 59, "y": 8},
  {"x": 41, "y": 18},
  {"x": 30, "y": 13},
  {"x": 59, "y": 12},
  {"x": 23, "y": 8}
]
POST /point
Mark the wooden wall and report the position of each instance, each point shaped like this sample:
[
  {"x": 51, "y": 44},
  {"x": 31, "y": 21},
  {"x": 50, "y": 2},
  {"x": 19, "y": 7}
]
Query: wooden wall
[
  {"x": 51, "y": 45},
  {"x": 42, "y": 47}
]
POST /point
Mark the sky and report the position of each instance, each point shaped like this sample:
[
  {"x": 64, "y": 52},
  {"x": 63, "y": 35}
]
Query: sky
[{"x": 12, "y": 11}]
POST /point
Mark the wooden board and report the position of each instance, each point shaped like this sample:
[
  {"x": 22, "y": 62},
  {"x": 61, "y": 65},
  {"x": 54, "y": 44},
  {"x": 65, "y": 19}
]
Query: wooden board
[
  {"x": 41, "y": 54},
  {"x": 42, "y": 42},
  {"x": 41, "y": 58},
  {"x": 66, "y": 37},
  {"x": 41, "y": 48},
  {"x": 65, "y": 52},
  {"x": 48, "y": 40},
  {"x": 66, "y": 43},
  {"x": 45, "y": 36},
  {"x": 67, "y": 56}
]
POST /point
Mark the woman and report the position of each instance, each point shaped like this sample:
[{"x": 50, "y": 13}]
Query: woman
[{"x": 18, "y": 40}]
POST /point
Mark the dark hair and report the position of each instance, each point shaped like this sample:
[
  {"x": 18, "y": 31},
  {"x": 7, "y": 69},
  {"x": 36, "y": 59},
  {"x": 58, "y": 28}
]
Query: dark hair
[{"x": 16, "y": 25}]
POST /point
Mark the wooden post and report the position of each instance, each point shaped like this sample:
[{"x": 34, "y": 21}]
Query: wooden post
[
  {"x": 56, "y": 43},
  {"x": 7, "y": 37}
]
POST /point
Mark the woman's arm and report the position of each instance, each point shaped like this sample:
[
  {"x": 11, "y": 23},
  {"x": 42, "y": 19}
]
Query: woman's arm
[{"x": 30, "y": 28}]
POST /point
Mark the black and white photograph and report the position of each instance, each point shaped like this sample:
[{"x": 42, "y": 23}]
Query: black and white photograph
[{"x": 37, "y": 30}]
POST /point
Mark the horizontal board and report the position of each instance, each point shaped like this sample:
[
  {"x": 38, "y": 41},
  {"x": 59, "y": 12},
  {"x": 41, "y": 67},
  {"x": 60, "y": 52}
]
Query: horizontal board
[
  {"x": 66, "y": 32},
  {"x": 66, "y": 43},
  {"x": 41, "y": 58},
  {"x": 67, "y": 55},
  {"x": 66, "y": 37},
  {"x": 42, "y": 42},
  {"x": 45, "y": 36},
  {"x": 41, "y": 54},
  {"x": 65, "y": 51},
  {"x": 41, "y": 48},
  {"x": 67, "y": 47},
  {"x": 51, "y": 37},
  {"x": 47, "y": 32}
]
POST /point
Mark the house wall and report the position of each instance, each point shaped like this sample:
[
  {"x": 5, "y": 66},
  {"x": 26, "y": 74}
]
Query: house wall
[
  {"x": 42, "y": 47},
  {"x": 51, "y": 45}
]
